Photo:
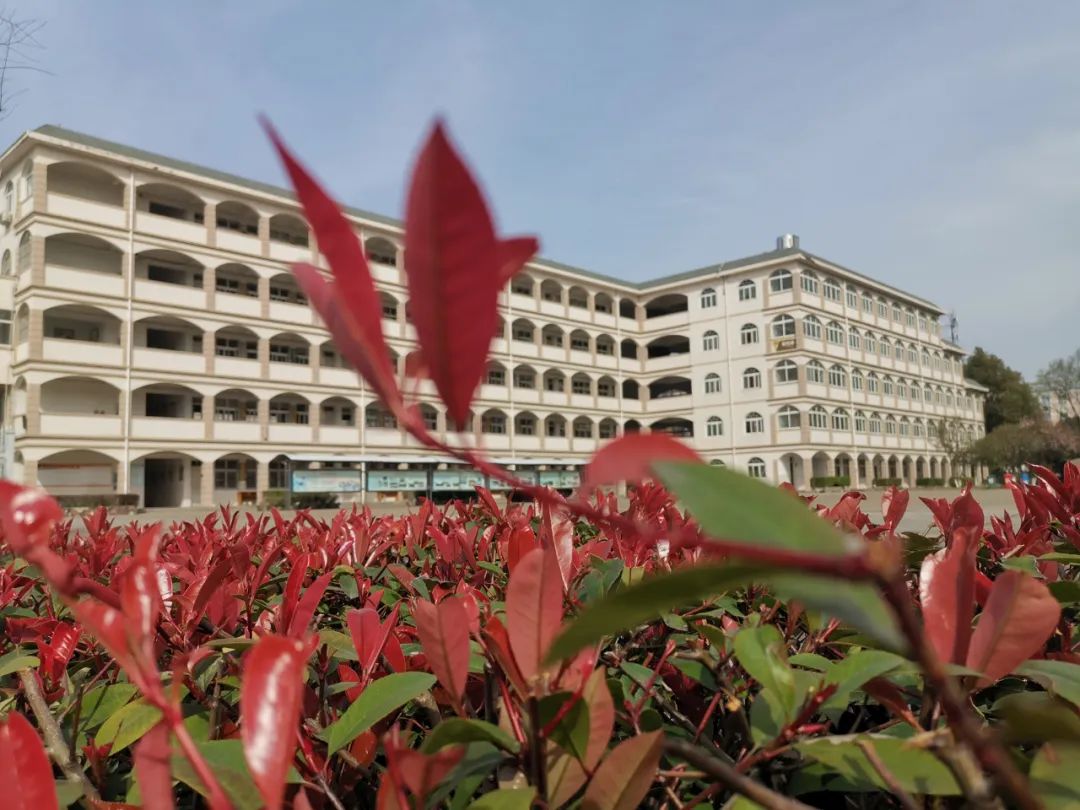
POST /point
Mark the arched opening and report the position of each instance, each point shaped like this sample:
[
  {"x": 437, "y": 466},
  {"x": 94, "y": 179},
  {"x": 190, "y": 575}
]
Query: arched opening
[
  {"x": 288, "y": 347},
  {"x": 85, "y": 182},
  {"x": 578, "y": 297},
  {"x": 166, "y": 401},
  {"x": 80, "y": 395},
  {"x": 581, "y": 384},
  {"x": 554, "y": 381},
  {"x": 290, "y": 409},
  {"x": 555, "y": 426},
  {"x": 378, "y": 416},
  {"x": 628, "y": 308},
  {"x": 525, "y": 424},
  {"x": 522, "y": 284},
  {"x": 605, "y": 345},
  {"x": 330, "y": 357},
  {"x": 381, "y": 250},
  {"x": 168, "y": 334},
  {"x": 169, "y": 479},
  {"x": 233, "y": 215},
  {"x": 78, "y": 322},
  {"x": 579, "y": 340},
  {"x": 842, "y": 465},
  {"x": 496, "y": 373},
  {"x": 523, "y": 330},
  {"x": 608, "y": 428},
  {"x": 792, "y": 470},
  {"x": 429, "y": 415},
  {"x": 683, "y": 428},
  {"x": 283, "y": 288},
  {"x": 551, "y": 290},
  {"x": 24, "y": 253},
  {"x": 337, "y": 412},
  {"x": 667, "y": 387},
  {"x": 76, "y": 474},
  {"x": 583, "y": 428},
  {"x": 288, "y": 229},
  {"x": 668, "y": 345},
  {"x": 166, "y": 200},
  {"x": 822, "y": 465},
  {"x": 389, "y": 306},
  {"x": 669, "y": 304},
  {"x": 233, "y": 474},
  {"x": 236, "y": 341},
  {"x": 553, "y": 336},
  {"x": 605, "y": 387},
  {"x": 493, "y": 421},
  {"x": 236, "y": 279},
  {"x": 236, "y": 405},
  {"x": 168, "y": 267},
  {"x": 631, "y": 389},
  {"x": 629, "y": 349},
  {"x": 604, "y": 303},
  {"x": 79, "y": 251},
  {"x": 525, "y": 377}
]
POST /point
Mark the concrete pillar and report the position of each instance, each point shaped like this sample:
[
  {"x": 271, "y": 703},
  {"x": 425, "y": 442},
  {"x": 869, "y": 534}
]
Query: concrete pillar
[
  {"x": 35, "y": 333},
  {"x": 264, "y": 246},
  {"x": 264, "y": 293},
  {"x": 206, "y": 484},
  {"x": 315, "y": 361},
  {"x": 30, "y": 469},
  {"x": 314, "y": 419},
  {"x": 33, "y": 409},
  {"x": 210, "y": 218},
  {"x": 262, "y": 480},
  {"x": 41, "y": 190},
  {"x": 262, "y": 411},
  {"x": 263, "y": 352},
  {"x": 208, "y": 417},
  {"x": 37, "y": 260},
  {"x": 209, "y": 348},
  {"x": 210, "y": 286}
]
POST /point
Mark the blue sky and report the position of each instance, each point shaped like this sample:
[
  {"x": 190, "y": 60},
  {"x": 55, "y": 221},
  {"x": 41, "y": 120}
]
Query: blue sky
[{"x": 935, "y": 146}]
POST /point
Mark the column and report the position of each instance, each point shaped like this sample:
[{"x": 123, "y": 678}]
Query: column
[
  {"x": 264, "y": 245},
  {"x": 206, "y": 484},
  {"x": 262, "y": 480},
  {"x": 33, "y": 409},
  {"x": 208, "y": 417},
  {"x": 30, "y": 468},
  {"x": 210, "y": 218},
  {"x": 35, "y": 333}
]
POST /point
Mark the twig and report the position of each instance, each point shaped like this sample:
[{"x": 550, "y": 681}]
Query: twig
[
  {"x": 887, "y": 776},
  {"x": 54, "y": 737},
  {"x": 730, "y": 778}
]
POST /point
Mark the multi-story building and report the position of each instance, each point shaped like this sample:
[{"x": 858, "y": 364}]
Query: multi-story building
[{"x": 161, "y": 347}]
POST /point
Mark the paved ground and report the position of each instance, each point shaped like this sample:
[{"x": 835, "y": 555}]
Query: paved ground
[{"x": 917, "y": 518}]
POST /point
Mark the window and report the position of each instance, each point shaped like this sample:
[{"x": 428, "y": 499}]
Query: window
[
  {"x": 875, "y": 423},
  {"x": 579, "y": 341},
  {"x": 524, "y": 378},
  {"x": 748, "y": 334},
  {"x": 22, "y": 256},
  {"x": 834, "y": 333},
  {"x": 853, "y": 339},
  {"x": 860, "y": 422},
  {"x": 922, "y": 323},
  {"x": 905, "y": 427},
  {"x": 787, "y": 372},
  {"x": 27, "y": 181},
  {"x": 553, "y": 337},
  {"x": 898, "y": 351},
  {"x": 523, "y": 331},
  {"x": 389, "y": 308},
  {"x": 712, "y": 383},
  {"x": 831, "y": 290},
  {"x": 780, "y": 281},
  {"x": 234, "y": 473},
  {"x": 554, "y": 382},
  {"x": 751, "y": 378},
  {"x": 815, "y": 372},
  {"x": 714, "y": 426},
  {"x": 582, "y": 428},
  {"x": 887, "y": 386},
  {"x": 872, "y": 383},
  {"x": 912, "y": 354},
  {"x": 901, "y": 389},
  {"x": 783, "y": 326},
  {"x": 931, "y": 429},
  {"x": 525, "y": 424},
  {"x": 885, "y": 347},
  {"x": 287, "y": 353},
  {"x": 882, "y": 309},
  {"x": 818, "y": 417},
  {"x": 852, "y": 298},
  {"x": 236, "y": 347},
  {"x": 926, "y": 359},
  {"x": 788, "y": 418},
  {"x": 811, "y": 327},
  {"x": 755, "y": 468},
  {"x": 605, "y": 345},
  {"x": 493, "y": 422},
  {"x": 917, "y": 429},
  {"x": 5, "y": 264},
  {"x": 856, "y": 380},
  {"x": 890, "y": 425},
  {"x": 580, "y": 385},
  {"x": 235, "y": 286},
  {"x": 5, "y": 327},
  {"x": 605, "y": 387},
  {"x": 809, "y": 282},
  {"x": 896, "y": 314},
  {"x": 708, "y": 298},
  {"x": 840, "y": 419},
  {"x": 868, "y": 305},
  {"x": 555, "y": 427},
  {"x": 711, "y": 341},
  {"x": 747, "y": 290},
  {"x": 496, "y": 376},
  {"x": 837, "y": 377},
  {"x": 755, "y": 423},
  {"x": 910, "y": 316},
  {"x": 870, "y": 343}
]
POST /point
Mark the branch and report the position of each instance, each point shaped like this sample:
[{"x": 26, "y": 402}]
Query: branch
[
  {"x": 887, "y": 776},
  {"x": 54, "y": 737},
  {"x": 730, "y": 778}
]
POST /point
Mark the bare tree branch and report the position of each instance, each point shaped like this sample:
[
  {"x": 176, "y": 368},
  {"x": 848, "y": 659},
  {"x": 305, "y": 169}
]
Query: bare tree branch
[{"x": 19, "y": 45}]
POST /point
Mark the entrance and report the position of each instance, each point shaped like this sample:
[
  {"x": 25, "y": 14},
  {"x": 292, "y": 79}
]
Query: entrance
[{"x": 164, "y": 482}]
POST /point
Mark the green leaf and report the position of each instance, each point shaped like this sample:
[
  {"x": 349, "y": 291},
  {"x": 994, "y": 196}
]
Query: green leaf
[
  {"x": 571, "y": 733},
  {"x": 380, "y": 698},
  {"x": 67, "y": 793},
  {"x": 767, "y": 717},
  {"x": 226, "y": 760},
  {"x": 730, "y": 505},
  {"x": 761, "y": 652},
  {"x": 1060, "y": 677},
  {"x": 1061, "y": 557},
  {"x": 917, "y": 770},
  {"x": 1037, "y": 717},
  {"x": 855, "y": 603},
  {"x": 1066, "y": 591},
  {"x": 127, "y": 725},
  {"x": 1023, "y": 562},
  {"x": 853, "y": 672},
  {"x": 339, "y": 644},
  {"x": 16, "y": 660},
  {"x": 456, "y": 730},
  {"x": 1055, "y": 777},
  {"x": 505, "y": 799},
  {"x": 101, "y": 702}
]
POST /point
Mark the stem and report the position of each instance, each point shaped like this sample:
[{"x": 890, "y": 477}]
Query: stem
[
  {"x": 730, "y": 778},
  {"x": 54, "y": 737},
  {"x": 968, "y": 729},
  {"x": 887, "y": 776},
  {"x": 216, "y": 798},
  {"x": 537, "y": 766}
]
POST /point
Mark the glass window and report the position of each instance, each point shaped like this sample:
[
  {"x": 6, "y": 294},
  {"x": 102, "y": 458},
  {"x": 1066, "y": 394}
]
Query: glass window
[
  {"x": 852, "y": 298},
  {"x": 872, "y": 383},
  {"x": 860, "y": 422},
  {"x": 711, "y": 341},
  {"x": 853, "y": 339},
  {"x": 834, "y": 333},
  {"x": 815, "y": 372},
  {"x": 755, "y": 468},
  {"x": 787, "y": 418},
  {"x": 840, "y": 419},
  {"x": 832, "y": 290},
  {"x": 708, "y": 298},
  {"x": 809, "y": 282},
  {"x": 747, "y": 290},
  {"x": 818, "y": 417},
  {"x": 712, "y": 383},
  {"x": 812, "y": 327},
  {"x": 856, "y": 380},
  {"x": 780, "y": 281},
  {"x": 787, "y": 372},
  {"x": 783, "y": 326},
  {"x": 714, "y": 426},
  {"x": 837, "y": 377},
  {"x": 748, "y": 334},
  {"x": 755, "y": 423},
  {"x": 751, "y": 378}
]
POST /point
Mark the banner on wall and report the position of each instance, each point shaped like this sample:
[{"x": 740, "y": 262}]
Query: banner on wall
[
  {"x": 310, "y": 481},
  {"x": 560, "y": 479},
  {"x": 456, "y": 480},
  {"x": 397, "y": 480}
]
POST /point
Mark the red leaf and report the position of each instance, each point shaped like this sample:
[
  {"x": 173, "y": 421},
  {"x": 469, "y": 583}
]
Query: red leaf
[
  {"x": 894, "y": 503},
  {"x": 208, "y": 588},
  {"x": 25, "y": 772},
  {"x": 350, "y": 308},
  {"x": 1019, "y": 617},
  {"x": 421, "y": 772},
  {"x": 631, "y": 456},
  {"x": 369, "y": 637},
  {"x": 444, "y": 637},
  {"x": 27, "y": 516},
  {"x": 153, "y": 769},
  {"x": 108, "y": 626},
  {"x": 941, "y": 609},
  {"x": 597, "y": 697},
  {"x": 497, "y": 644},
  {"x": 557, "y": 534},
  {"x": 623, "y": 779},
  {"x": 305, "y": 610},
  {"x": 513, "y": 253},
  {"x": 534, "y": 609},
  {"x": 452, "y": 262},
  {"x": 270, "y": 699}
]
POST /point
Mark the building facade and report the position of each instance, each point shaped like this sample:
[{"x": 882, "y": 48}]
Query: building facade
[{"x": 158, "y": 345}]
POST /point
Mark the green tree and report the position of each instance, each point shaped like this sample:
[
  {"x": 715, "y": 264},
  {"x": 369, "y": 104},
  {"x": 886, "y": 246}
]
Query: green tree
[
  {"x": 1036, "y": 442},
  {"x": 1010, "y": 400},
  {"x": 1062, "y": 379}
]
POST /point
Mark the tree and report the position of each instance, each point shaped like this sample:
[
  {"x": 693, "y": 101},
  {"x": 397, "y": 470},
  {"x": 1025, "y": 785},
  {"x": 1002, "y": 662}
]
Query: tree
[
  {"x": 18, "y": 41},
  {"x": 955, "y": 441},
  {"x": 1062, "y": 379},
  {"x": 1010, "y": 400},
  {"x": 1010, "y": 446}
]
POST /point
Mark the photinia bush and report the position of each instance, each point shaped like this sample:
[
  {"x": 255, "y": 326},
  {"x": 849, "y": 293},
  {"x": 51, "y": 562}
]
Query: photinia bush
[{"x": 711, "y": 640}]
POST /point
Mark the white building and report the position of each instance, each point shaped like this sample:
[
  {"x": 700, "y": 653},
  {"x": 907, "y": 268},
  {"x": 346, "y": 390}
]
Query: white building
[{"x": 161, "y": 347}]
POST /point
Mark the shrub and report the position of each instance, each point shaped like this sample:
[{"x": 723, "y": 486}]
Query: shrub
[
  {"x": 824, "y": 481},
  {"x": 115, "y": 501},
  {"x": 929, "y": 482},
  {"x": 888, "y": 482}
]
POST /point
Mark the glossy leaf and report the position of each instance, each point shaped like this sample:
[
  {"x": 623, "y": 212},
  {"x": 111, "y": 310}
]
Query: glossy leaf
[
  {"x": 534, "y": 609},
  {"x": 505, "y": 799},
  {"x": 458, "y": 730},
  {"x": 1055, "y": 779},
  {"x": 27, "y": 516},
  {"x": 631, "y": 457},
  {"x": 513, "y": 254},
  {"x": 732, "y": 506},
  {"x": 309, "y": 602},
  {"x": 444, "y": 637},
  {"x": 601, "y": 710},
  {"x": 454, "y": 271},
  {"x": 917, "y": 770},
  {"x": 227, "y": 762},
  {"x": 153, "y": 769},
  {"x": 380, "y": 698},
  {"x": 25, "y": 771},
  {"x": 270, "y": 697},
  {"x": 946, "y": 616},
  {"x": 760, "y": 651},
  {"x": 1019, "y": 617},
  {"x": 127, "y": 725},
  {"x": 1059, "y": 677},
  {"x": 623, "y": 779}
]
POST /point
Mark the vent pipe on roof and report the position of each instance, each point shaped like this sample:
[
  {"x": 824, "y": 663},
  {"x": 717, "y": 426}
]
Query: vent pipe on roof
[{"x": 787, "y": 241}]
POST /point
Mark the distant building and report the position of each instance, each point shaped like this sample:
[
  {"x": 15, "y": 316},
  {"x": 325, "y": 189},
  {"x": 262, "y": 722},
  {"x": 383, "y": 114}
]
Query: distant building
[{"x": 160, "y": 346}]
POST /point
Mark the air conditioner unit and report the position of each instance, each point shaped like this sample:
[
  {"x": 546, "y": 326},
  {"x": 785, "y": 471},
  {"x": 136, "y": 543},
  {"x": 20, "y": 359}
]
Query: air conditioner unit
[{"x": 781, "y": 345}]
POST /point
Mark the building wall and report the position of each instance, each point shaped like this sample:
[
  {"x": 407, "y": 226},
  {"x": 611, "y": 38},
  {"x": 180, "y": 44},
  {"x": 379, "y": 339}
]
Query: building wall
[{"x": 99, "y": 335}]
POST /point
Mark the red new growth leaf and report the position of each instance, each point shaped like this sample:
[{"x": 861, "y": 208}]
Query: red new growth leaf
[
  {"x": 444, "y": 637},
  {"x": 305, "y": 609},
  {"x": 942, "y": 612},
  {"x": 270, "y": 696},
  {"x": 25, "y": 772},
  {"x": 27, "y": 516},
  {"x": 1019, "y": 617},
  {"x": 534, "y": 609},
  {"x": 597, "y": 697},
  {"x": 153, "y": 769},
  {"x": 557, "y": 534},
  {"x": 623, "y": 779},
  {"x": 630, "y": 457},
  {"x": 350, "y": 306},
  {"x": 453, "y": 263},
  {"x": 513, "y": 253}
]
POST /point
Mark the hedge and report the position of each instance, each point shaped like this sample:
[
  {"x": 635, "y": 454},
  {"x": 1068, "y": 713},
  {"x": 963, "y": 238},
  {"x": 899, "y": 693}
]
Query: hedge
[
  {"x": 888, "y": 482},
  {"x": 112, "y": 500},
  {"x": 824, "y": 481},
  {"x": 929, "y": 482}
]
